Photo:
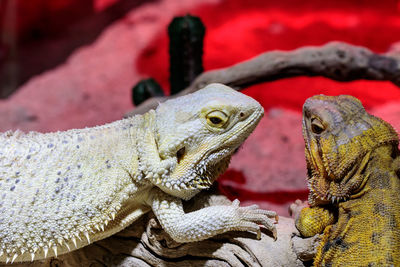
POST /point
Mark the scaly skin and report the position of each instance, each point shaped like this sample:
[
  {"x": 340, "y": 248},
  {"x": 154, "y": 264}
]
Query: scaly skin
[
  {"x": 352, "y": 160},
  {"x": 62, "y": 191}
]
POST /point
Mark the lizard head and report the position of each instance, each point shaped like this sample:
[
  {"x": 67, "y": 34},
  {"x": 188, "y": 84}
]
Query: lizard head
[
  {"x": 338, "y": 135},
  {"x": 201, "y": 131}
]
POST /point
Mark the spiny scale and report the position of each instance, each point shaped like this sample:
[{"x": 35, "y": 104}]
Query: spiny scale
[
  {"x": 13, "y": 258},
  {"x": 33, "y": 254}
]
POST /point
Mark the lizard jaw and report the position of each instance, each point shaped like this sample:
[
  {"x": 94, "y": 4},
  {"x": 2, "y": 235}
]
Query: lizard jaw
[
  {"x": 321, "y": 189},
  {"x": 202, "y": 174},
  {"x": 327, "y": 189},
  {"x": 320, "y": 183},
  {"x": 205, "y": 170}
]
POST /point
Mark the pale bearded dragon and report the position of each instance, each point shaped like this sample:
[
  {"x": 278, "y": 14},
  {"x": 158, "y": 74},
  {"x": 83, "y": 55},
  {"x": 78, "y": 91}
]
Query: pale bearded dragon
[{"x": 62, "y": 191}]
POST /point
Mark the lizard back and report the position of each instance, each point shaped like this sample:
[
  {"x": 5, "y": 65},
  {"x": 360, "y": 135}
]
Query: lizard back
[{"x": 53, "y": 190}]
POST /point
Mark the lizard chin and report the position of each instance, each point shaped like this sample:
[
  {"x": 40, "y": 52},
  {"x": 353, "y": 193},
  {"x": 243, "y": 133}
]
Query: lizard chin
[
  {"x": 325, "y": 187},
  {"x": 188, "y": 178},
  {"x": 325, "y": 191}
]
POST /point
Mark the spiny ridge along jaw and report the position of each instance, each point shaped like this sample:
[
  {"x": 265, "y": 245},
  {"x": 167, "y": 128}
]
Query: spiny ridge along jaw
[
  {"x": 320, "y": 186},
  {"x": 325, "y": 189},
  {"x": 210, "y": 167},
  {"x": 348, "y": 184},
  {"x": 203, "y": 173},
  {"x": 326, "y": 196}
]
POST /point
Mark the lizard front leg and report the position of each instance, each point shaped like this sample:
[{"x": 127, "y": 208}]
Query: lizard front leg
[{"x": 207, "y": 222}]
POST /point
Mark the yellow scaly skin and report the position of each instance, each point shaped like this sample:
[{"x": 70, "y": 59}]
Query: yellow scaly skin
[
  {"x": 352, "y": 160},
  {"x": 62, "y": 191}
]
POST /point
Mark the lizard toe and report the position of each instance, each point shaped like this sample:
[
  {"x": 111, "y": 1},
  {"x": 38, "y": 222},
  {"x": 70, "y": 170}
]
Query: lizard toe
[{"x": 252, "y": 217}]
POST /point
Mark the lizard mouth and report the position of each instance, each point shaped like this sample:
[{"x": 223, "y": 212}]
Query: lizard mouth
[
  {"x": 206, "y": 170},
  {"x": 324, "y": 186}
]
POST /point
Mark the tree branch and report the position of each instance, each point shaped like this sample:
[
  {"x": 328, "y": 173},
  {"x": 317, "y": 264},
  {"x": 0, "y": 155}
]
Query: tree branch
[
  {"x": 145, "y": 244},
  {"x": 335, "y": 60}
]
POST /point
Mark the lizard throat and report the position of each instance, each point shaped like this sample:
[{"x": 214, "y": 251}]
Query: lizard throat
[{"x": 325, "y": 188}]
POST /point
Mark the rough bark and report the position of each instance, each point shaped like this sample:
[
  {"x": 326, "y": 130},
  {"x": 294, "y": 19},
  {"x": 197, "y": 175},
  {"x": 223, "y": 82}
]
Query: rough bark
[
  {"x": 335, "y": 60},
  {"x": 144, "y": 243}
]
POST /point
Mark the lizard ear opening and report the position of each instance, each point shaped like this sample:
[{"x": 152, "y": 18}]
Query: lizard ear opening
[{"x": 180, "y": 153}]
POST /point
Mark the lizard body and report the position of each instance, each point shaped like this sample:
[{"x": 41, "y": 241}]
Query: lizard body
[
  {"x": 62, "y": 191},
  {"x": 354, "y": 187}
]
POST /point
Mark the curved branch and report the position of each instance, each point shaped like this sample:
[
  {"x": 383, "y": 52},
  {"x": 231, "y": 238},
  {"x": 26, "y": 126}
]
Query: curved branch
[{"x": 335, "y": 60}]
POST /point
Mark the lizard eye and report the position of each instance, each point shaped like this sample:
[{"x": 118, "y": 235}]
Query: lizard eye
[
  {"x": 316, "y": 126},
  {"x": 216, "y": 118}
]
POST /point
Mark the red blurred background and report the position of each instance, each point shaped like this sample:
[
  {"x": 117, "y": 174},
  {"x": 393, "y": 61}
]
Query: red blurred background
[
  {"x": 75, "y": 59},
  {"x": 236, "y": 30}
]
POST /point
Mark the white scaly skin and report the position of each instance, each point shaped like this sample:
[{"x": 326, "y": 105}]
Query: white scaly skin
[{"x": 62, "y": 191}]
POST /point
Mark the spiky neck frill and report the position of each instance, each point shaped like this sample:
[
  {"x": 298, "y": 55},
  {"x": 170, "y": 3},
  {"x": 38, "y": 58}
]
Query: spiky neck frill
[
  {"x": 200, "y": 175},
  {"x": 325, "y": 187}
]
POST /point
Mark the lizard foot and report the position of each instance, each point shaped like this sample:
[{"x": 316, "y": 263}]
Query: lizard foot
[{"x": 250, "y": 217}]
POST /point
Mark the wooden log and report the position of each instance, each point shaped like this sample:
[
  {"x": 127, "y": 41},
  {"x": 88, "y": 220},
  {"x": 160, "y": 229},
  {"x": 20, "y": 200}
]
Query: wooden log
[{"x": 144, "y": 243}]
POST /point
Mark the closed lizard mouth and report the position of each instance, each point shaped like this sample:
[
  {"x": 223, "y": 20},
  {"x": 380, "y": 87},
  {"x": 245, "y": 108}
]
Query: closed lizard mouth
[{"x": 197, "y": 168}]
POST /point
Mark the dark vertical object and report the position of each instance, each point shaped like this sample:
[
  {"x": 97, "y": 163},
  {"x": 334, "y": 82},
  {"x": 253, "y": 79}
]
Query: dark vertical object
[
  {"x": 186, "y": 35},
  {"x": 144, "y": 90},
  {"x": 9, "y": 68}
]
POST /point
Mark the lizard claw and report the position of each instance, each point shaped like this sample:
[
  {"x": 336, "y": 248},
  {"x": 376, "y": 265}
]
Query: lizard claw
[{"x": 252, "y": 216}]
